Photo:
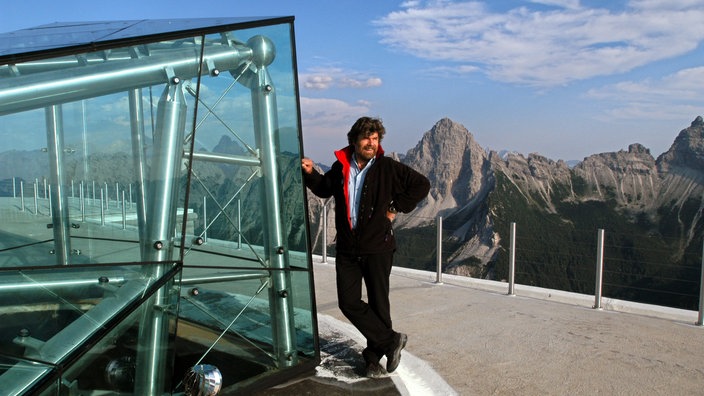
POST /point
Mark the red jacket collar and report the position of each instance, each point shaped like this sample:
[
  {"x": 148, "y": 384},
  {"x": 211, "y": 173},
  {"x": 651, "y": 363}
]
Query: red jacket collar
[{"x": 344, "y": 155}]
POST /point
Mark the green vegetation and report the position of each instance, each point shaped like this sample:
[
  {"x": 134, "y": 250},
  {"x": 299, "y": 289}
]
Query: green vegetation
[
  {"x": 559, "y": 250},
  {"x": 417, "y": 248}
]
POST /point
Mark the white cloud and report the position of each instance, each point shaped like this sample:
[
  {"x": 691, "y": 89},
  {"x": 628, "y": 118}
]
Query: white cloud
[
  {"x": 545, "y": 48},
  {"x": 573, "y": 4},
  {"x": 669, "y": 4},
  {"x": 316, "y": 81},
  {"x": 454, "y": 70},
  {"x": 348, "y": 82},
  {"x": 323, "y": 116},
  {"x": 676, "y": 96},
  {"x": 334, "y": 77},
  {"x": 686, "y": 84},
  {"x": 325, "y": 124},
  {"x": 410, "y": 3}
]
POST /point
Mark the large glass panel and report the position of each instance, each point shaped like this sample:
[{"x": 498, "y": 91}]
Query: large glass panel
[
  {"x": 58, "y": 35},
  {"x": 49, "y": 316},
  {"x": 91, "y": 166},
  {"x": 247, "y": 127},
  {"x": 146, "y": 182},
  {"x": 24, "y": 368},
  {"x": 247, "y": 285}
]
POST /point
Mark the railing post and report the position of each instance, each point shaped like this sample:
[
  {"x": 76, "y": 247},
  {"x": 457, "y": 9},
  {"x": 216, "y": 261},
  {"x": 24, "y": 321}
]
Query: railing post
[
  {"x": 82, "y": 202},
  {"x": 22, "y": 195},
  {"x": 700, "y": 320},
  {"x": 325, "y": 232},
  {"x": 438, "y": 276},
  {"x": 512, "y": 261},
  {"x": 124, "y": 212},
  {"x": 205, "y": 220},
  {"x": 102, "y": 209},
  {"x": 36, "y": 197},
  {"x": 599, "y": 268},
  {"x": 239, "y": 224}
]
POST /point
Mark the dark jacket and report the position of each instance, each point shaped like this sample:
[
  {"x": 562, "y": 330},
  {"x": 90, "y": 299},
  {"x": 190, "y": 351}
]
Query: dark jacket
[{"x": 386, "y": 181}]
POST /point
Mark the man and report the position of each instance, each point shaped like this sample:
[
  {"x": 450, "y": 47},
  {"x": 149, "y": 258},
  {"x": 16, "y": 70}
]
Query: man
[{"x": 369, "y": 190}]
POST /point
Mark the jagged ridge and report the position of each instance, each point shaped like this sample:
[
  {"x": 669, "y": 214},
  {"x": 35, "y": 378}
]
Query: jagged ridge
[{"x": 632, "y": 182}]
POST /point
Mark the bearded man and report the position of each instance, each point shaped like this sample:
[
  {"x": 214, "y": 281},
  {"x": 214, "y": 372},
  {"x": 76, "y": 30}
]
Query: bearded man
[{"x": 369, "y": 190}]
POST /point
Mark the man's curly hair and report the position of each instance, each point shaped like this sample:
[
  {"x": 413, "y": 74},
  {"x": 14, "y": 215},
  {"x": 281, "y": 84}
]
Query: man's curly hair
[{"x": 364, "y": 127}]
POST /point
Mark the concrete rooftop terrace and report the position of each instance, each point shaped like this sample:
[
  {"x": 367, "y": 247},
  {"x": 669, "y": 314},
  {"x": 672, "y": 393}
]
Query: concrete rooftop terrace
[{"x": 468, "y": 337}]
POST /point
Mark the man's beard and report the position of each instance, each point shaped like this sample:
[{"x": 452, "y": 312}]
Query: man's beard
[{"x": 367, "y": 155}]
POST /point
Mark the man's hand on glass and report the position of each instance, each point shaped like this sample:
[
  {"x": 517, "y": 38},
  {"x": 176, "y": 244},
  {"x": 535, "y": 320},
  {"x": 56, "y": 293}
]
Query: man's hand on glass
[{"x": 307, "y": 165}]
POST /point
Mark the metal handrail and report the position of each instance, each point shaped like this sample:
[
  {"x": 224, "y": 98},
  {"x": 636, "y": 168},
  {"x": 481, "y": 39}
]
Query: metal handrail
[{"x": 599, "y": 267}]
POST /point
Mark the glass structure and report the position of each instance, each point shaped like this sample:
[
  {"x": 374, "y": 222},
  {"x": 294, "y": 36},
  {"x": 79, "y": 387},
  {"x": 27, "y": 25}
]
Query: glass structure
[{"x": 153, "y": 229}]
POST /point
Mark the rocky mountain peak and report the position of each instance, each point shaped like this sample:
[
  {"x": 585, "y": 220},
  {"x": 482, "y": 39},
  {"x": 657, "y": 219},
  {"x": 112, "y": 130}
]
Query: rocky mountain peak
[
  {"x": 455, "y": 164},
  {"x": 687, "y": 151},
  {"x": 227, "y": 145},
  {"x": 630, "y": 177},
  {"x": 637, "y": 148}
]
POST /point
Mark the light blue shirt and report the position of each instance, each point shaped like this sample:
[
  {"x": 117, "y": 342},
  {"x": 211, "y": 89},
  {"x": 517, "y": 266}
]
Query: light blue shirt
[{"x": 354, "y": 187}]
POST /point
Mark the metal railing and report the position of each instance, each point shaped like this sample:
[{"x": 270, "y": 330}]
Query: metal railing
[
  {"x": 512, "y": 256},
  {"x": 121, "y": 214},
  {"x": 91, "y": 204}
]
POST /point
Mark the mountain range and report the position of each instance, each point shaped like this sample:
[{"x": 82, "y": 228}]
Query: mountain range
[{"x": 649, "y": 208}]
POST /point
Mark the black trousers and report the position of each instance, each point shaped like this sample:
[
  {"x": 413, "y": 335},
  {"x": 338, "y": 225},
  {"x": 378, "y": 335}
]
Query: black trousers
[{"x": 372, "y": 318}]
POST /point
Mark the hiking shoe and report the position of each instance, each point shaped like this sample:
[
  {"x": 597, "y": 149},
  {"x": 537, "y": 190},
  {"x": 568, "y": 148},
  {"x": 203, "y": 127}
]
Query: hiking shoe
[
  {"x": 374, "y": 370},
  {"x": 393, "y": 357}
]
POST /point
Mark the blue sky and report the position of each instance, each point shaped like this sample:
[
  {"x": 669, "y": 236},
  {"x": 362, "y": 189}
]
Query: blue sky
[{"x": 563, "y": 78}]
